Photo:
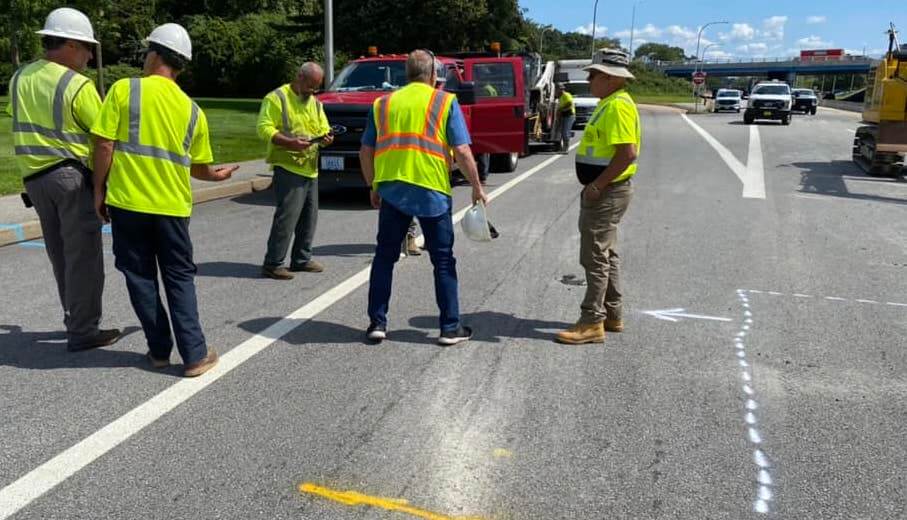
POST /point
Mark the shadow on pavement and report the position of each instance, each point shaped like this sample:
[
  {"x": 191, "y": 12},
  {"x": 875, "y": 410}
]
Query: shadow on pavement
[
  {"x": 34, "y": 350},
  {"x": 827, "y": 178},
  {"x": 314, "y": 331},
  {"x": 759, "y": 122},
  {"x": 492, "y": 326},
  {"x": 348, "y": 199},
  {"x": 345, "y": 250},
  {"x": 229, "y": 270}
]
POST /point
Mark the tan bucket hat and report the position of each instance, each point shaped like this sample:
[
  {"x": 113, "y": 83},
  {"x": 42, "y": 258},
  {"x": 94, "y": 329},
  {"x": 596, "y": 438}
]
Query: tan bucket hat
[{"x": 613, "y": 62}]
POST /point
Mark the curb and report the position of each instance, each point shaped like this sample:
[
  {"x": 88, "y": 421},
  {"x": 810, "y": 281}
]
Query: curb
[{"x": 31, "y": 230}]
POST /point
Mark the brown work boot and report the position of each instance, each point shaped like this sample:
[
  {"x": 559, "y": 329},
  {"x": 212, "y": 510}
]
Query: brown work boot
[
  {"x": 614, "y": 325},
  {"x": 276, "y": 272},
  {"x": 157, "y": 364},
  {"x": 411, "y": 248},
  {"x": 203, "y": 365},
  {"x": 309, "y": 267},
  {"x": 582, "y": 333}
]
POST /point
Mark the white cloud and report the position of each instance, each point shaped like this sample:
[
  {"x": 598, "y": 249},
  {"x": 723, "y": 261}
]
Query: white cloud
[
  {"x": 812, "y": 20},
  {"x": 718, "y": 54},
  {"x": 814, "y": 42},
  {"x": 753, "y": 49},
  {"x": 739, "y": 32},
  {"x": 773, "y": 28},
  {"x": 649, "y": 31},
  {"x": 600, "y": 30}
]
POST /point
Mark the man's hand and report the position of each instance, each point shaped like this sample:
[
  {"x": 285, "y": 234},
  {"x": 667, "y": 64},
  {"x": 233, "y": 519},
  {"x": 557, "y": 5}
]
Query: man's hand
[
  {"x": 100, "y": 206},
  {"x": 478, "y": 195},
  {"x": 591, "y": 193},
  {"x": 375, "y": 199},
  {"x": 328, "y": 139},
  {"x": 300, "y": 144},
  {"x": 224, "y": 172}
]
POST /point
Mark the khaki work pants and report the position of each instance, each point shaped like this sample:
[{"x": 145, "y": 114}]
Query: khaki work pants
[{"x": 598, "y": 238}]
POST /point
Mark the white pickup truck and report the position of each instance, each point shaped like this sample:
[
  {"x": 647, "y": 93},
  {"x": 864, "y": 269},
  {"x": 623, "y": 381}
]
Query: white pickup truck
[{"x": 769, "y": 100}]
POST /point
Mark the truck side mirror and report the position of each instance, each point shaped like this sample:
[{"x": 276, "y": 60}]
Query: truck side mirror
[{"x": 466, "y": 93}]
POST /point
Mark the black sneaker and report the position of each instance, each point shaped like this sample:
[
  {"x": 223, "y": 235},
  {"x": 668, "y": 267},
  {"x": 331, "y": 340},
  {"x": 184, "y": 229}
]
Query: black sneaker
[
  {"x": 452, "y": 337},
  {"x": 103, "y": 338},
  {"x": 376, "y": 333}
]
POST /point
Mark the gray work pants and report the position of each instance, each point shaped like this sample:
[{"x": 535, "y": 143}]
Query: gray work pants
[
  {"x": 296, "y": 213},
  {"x": 72, "y": 235}
]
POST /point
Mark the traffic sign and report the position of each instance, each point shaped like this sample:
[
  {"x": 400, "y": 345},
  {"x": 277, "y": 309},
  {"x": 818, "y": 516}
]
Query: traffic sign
[{"x": 698, "y": 78}]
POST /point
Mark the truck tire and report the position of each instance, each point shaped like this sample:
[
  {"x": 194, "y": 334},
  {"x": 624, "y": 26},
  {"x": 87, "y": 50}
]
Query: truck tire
[
  {"x": 812, "y": 111},
  {"x": 785, "y": 120},
  {"x": 504, "y": 162},
  {"x": 748, "y": 118}
]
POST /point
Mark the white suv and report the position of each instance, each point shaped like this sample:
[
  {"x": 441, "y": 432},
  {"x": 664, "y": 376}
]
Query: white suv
[{"x": 769, "y": 100}]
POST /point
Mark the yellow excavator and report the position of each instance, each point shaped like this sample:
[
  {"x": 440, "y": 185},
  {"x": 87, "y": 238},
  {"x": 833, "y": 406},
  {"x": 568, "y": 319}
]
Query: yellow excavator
[{"x": 880, "y": 146}]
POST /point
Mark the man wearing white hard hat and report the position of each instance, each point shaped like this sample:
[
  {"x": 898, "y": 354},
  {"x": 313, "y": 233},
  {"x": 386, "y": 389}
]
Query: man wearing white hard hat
[
  {"x": 605, "y": 163},
  {"x": 150, "y": 138},
  {"x": 53, "y": 107}
]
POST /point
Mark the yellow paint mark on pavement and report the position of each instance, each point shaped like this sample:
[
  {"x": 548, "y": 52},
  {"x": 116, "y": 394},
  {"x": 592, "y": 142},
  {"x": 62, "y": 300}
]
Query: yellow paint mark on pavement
[
  {"x": 502, "y": 453},
  {"x": 354, "y": 498}
]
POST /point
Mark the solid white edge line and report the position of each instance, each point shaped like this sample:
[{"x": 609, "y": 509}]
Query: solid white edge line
[{"x": 48, "y": 475}]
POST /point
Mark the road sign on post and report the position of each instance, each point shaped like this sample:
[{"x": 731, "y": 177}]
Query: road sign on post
[{"x": 698, "y": 78}]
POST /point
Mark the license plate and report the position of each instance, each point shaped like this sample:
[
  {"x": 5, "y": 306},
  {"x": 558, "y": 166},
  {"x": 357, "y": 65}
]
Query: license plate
[
  {"x": 766, "y": 113},
  {"x": 331, "y": 162}
]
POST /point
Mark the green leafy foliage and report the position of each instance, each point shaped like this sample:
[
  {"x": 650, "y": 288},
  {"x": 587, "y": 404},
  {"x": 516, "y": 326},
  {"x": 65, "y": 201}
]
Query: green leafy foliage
[{"x": 658, "y": 52}]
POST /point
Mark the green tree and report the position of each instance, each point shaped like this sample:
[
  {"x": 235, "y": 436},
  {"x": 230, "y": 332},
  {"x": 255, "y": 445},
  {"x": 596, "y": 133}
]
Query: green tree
[
  {"x": 20, "y": 19},
  {"x": 659, "y": 52}
]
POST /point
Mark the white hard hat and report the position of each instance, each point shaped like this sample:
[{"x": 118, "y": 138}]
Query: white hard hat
[
  {"x": 475, "y": 223},
  {"x": 70, "y": 24},
  {"x": 172, "y": 36}
]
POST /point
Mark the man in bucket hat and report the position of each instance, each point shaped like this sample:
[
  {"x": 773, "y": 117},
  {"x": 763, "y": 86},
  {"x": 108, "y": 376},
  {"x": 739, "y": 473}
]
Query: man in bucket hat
[{"x": 605, "y": 163}]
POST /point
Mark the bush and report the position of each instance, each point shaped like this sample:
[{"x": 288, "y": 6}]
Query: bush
[
  {"x": 114, "y": 73},
  {"x": 6, "y": 73},
  {"x": 651, "y": 81}
]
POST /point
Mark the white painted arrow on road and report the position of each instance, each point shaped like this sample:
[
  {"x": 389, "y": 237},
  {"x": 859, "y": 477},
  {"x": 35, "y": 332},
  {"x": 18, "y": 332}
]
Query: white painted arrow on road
[
  {"x": 678, "y": 313},
  {"x": 751, "y": 174}
]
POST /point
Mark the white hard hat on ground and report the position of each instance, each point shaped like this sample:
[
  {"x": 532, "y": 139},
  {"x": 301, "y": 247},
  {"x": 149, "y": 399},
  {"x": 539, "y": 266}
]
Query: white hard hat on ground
[
  {"x": 70, "y": 24},
  {"x": 475, "y": 224},
  {"x": 172, "y": 36}
]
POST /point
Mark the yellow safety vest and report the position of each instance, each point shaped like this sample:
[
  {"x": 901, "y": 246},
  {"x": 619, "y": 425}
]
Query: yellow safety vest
[
  {"x": 412, "y": 137},
  {"x": 45, "y": 129},
  {"x": 610, "y": 124},
  {"x": 566, "y": 104},
  {"x": 297, "y": 118},
  {"x": 159, "y": 133}
]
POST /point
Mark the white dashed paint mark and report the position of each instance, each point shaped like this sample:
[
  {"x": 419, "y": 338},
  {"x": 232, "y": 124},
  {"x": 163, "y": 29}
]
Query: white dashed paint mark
[
  {"x": 798, "y": 295},
  {"x": 764, "y": 494},
  {"x": 896, "y": 304},
  {"x": 867, "y": 301},
  {"x": 835, "y": 299}
]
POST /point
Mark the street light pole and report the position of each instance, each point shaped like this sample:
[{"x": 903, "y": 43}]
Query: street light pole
[
  {"x": 633, "y": 27},
  {"x": 541, "y": 36},
  {"x": 698, "y": 40},
  {"x": 594, "y": 14},
  {"x": 328, "y": 42}
]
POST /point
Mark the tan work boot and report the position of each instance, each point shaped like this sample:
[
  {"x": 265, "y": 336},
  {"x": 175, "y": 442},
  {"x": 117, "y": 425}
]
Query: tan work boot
[
  {"x": 276, "y": 273},
  {"x": 614, "y": 325},
  {"x": 411, "y": 248},
  {"x": 582, "y": 333},
  {"x": 203, "y": 365}
]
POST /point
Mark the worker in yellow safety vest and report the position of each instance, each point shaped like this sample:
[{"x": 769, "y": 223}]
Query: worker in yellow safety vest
[
  {"x": 566, "y": 110},
  {"x": 605, "y": 163},
  {"x": 53, "y": 106},
  {"x": 293, "y": 123},
  {"x": 150, "y": 137},
  {"x": 404, "y": 161}
]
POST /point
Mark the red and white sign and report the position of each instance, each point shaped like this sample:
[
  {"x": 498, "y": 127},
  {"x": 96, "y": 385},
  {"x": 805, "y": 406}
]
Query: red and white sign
[
  {"x": 698, "y": 78},
  {"x": 822, "y": 55}
]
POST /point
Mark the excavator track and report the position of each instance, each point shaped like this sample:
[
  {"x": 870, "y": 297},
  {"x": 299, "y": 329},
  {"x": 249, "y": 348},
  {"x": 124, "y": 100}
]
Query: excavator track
[{"x": 871, "y": 161}]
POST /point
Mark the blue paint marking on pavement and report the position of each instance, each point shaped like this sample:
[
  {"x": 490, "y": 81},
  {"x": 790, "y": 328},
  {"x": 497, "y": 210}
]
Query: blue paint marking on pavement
[
  {"x": 17, "y": 229},
  {"x": 33, "y": 244}
]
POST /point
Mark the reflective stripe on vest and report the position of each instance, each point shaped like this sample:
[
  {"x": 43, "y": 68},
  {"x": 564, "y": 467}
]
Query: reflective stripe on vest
[
  {"x": 284, "y": 110},
  {"x": 53, "y": 133},
  {"x": 133, "y": 146},
  {"x": 426, "y": 142}
]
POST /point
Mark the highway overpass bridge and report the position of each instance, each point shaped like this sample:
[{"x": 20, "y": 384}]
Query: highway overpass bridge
[{"x": 772, "y": 68}]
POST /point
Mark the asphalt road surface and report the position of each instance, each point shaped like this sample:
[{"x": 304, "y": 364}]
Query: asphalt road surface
[{"x": 761, "y": 373}]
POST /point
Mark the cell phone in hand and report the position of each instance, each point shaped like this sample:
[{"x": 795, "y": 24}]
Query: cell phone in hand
[{"x": 320, "y": 139}]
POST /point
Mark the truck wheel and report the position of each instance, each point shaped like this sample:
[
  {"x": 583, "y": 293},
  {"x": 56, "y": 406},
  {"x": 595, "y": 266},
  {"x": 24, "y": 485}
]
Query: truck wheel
[
  {"x": 504, "y": 162},
  {"x": 812, "y": 111},
  {"x": 747, "y": 118},
  {"x": 785, "y": 120}
]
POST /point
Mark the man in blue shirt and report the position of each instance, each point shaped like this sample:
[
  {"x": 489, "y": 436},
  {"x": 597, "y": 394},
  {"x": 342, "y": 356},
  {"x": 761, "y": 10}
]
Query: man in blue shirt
[{"x": 401, "y": 201}]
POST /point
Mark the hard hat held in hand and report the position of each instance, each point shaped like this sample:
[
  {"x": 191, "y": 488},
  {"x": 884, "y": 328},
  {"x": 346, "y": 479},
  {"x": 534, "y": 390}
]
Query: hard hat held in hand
[
  {"x": 172, "y": 36},
  {"x": 475, "y": 224},
  {"x": 70, "y": 24}
]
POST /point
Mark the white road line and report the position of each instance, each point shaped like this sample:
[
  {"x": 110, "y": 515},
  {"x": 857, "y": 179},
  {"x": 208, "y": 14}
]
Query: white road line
[
  {"x": 868, "y": 301},
  {"x": 835, "y": 299},
  {"x": 45, "y": 477},
  {"x": 851, "y": 130},
  {"x": 895, "y": 304},
  {"x": 752, "y": 175},
  {"x": 798, "y": 295}
]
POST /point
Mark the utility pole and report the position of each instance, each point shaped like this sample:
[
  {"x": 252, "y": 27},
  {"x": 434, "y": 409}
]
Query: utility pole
[
  {"x": 594, "y": 13},
  {"x": 328, "y": 42},
  {"x": 698, "y": 40},
  {"x": 102, "y": 89}
]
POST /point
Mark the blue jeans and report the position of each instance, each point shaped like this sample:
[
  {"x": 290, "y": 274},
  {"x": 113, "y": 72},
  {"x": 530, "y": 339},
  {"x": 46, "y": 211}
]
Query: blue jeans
[
  {"x": 439, "y": 240},
  {"x": 142, "y": 242},
  {"x": 566, "y": 127}
]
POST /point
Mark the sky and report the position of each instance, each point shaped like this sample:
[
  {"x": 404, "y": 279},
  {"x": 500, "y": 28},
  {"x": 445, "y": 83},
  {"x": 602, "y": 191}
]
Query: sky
[{"x": 756, "y": 28}]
